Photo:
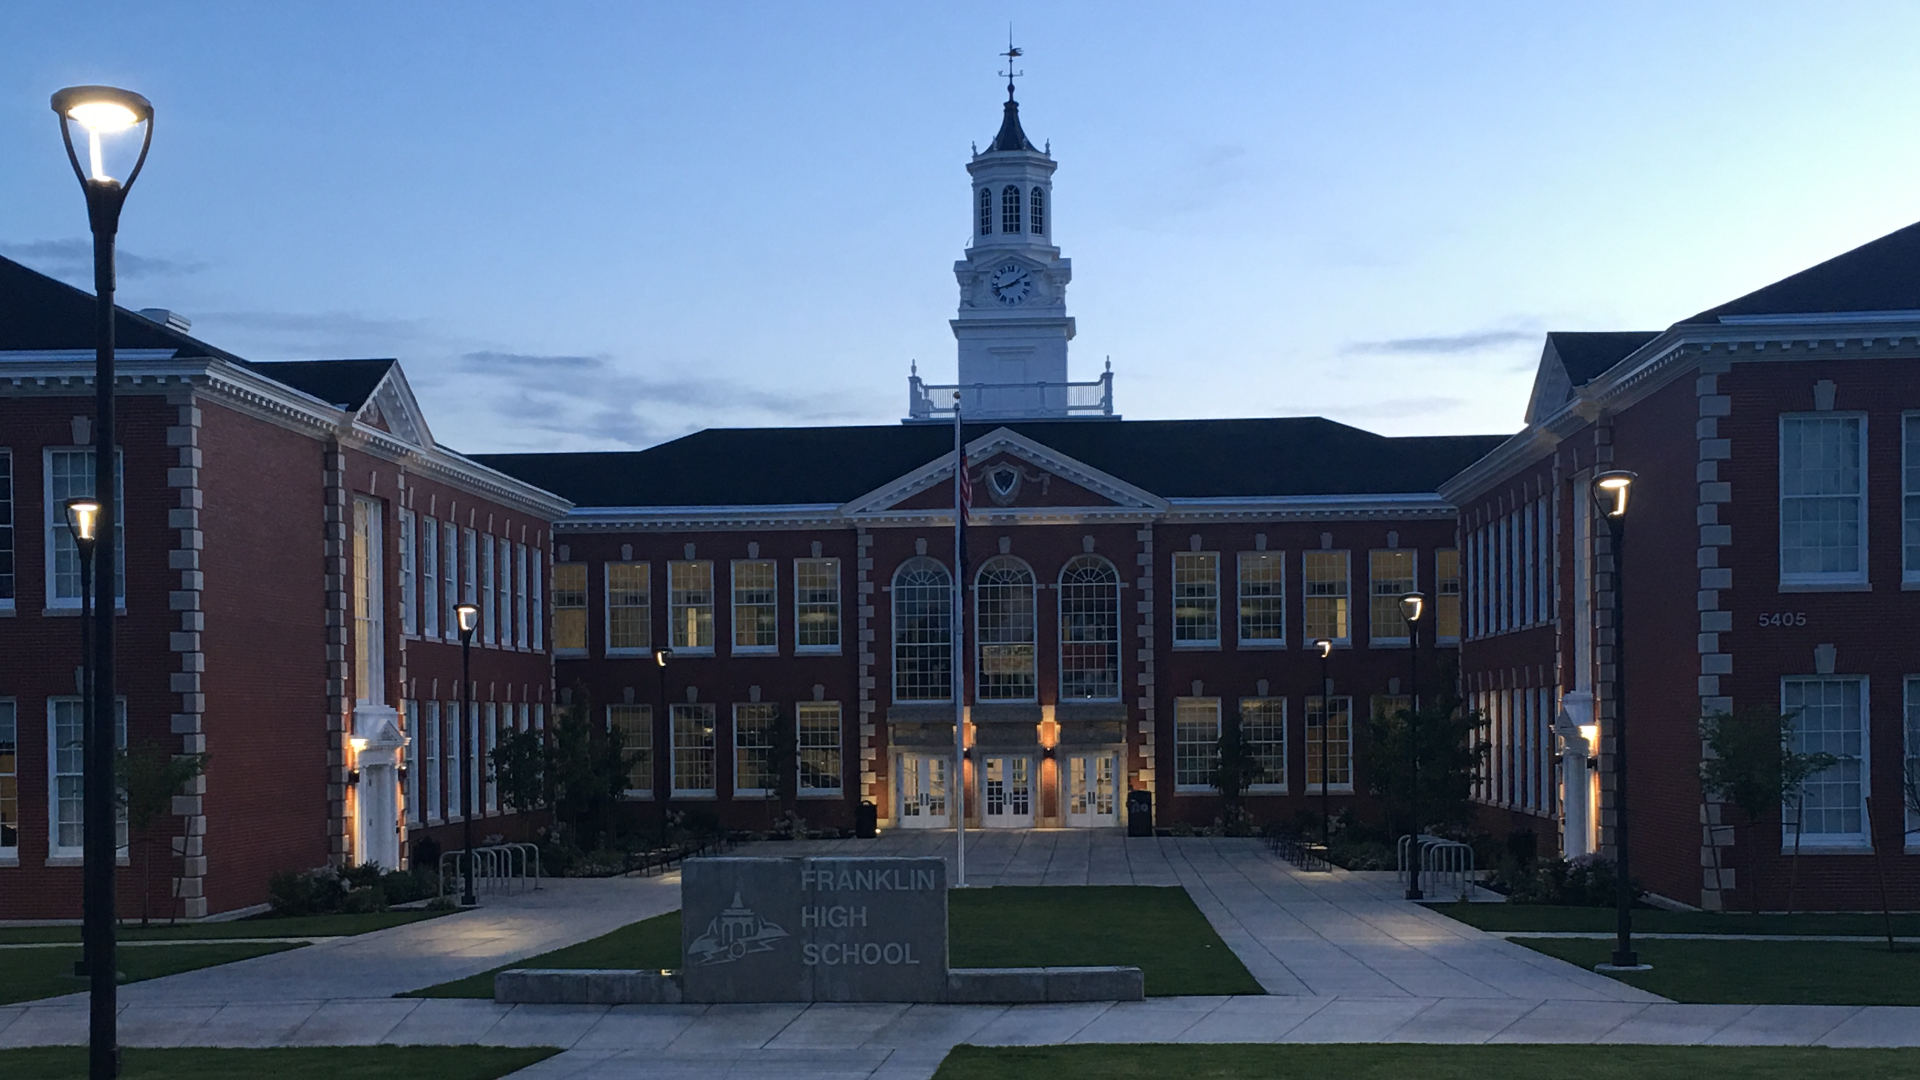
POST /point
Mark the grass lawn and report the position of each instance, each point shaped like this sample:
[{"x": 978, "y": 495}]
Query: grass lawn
[
  {"x": 1759, "y": 972},
  {"x": 26, "y": 974},
  {"x": 1396, "y": 1062},
  {"x": 1541, "y": 918},
  {"x": 302, "y": 1063},
  {"x": 258, "y": 926},
  {"x": 1157, "y": 930}
]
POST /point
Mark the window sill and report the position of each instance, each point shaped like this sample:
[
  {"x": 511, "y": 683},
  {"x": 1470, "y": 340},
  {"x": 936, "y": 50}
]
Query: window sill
[
  {"x": 683, "y": 651},
  {"x": 817, "y": 795},
  {"x": 6, "y": 610},
  {"x": 1267, "y": 789},
  {"x": 1832, "y": 847},
  {"x": 1194, "y": 789},
  {"x": 1338, "y": 643},
  {"x": 10, "y": 858},
  {"x": 1196, "y": 646},
  {"x": 1825, "y": 586},
  {"x": 637, "y": 796},
  {"x": 570, "y": 654},
  {"x": 1387, "y": 643},
  {"x": 1261, "y": 644},
  {"x": 1905, "y": 586},
  {"x": 702, "y": 796},
  {"x": 754, "y": 650},
  {"x": 77, "y": 861},
  {"x": 752, "y": 793},
  {"x": 816, "y": 650},
  {"x": 74, "y": 612},
  {"x": 1336, "y": 789},
  {"x": 620, "y": 654}
]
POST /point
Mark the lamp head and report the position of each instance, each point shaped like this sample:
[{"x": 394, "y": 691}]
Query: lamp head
[
  {"x": 113, "y": 126},
  {"x": 357, "y": 743},
  {"x": 1612, "y": 486},
  {"x": 661, "y": 656},
  {"x": 1325, "y": 645},
  {"x": 1412, "y": 605},
  {"x": 469, "y": 618},
  {"x": 83, "y": 516}
]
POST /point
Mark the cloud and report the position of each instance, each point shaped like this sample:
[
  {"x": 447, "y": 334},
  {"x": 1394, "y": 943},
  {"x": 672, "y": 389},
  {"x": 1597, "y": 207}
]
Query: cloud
[
  {"x": 73, "y": 258},
  {"x": 327, "y": 323},
  {"x": 1444, "y": 344}
]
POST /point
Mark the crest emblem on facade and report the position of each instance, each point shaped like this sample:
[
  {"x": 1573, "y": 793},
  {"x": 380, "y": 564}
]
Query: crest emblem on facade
[
  {"x": 733, "y": 935},
  {"x": 1003, "y": 483}
]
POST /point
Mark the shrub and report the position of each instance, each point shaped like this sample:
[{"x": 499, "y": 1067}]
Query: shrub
[
  {"x": 309, "y": 892},
  {"x": 1587, "y": 881}
]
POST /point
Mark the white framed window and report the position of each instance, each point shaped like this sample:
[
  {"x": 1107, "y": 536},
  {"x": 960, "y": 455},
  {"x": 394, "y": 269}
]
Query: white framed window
[
  {"x": 456, "y": 786},
  {"x": 69, "y": 474},
  {"x": 9, "y": 780},
  {"x": 429, "y": 577},
  {"x": 449, "y": 580},
  {"x": 922, "y": 631},
  {"x": 690, "y": 596},
  {"x": 1196, "y": 599},
  {"x": 409, "y": 576},
  {"x": 410, "y": 730},
  {"x": 1037, "y": 210},
  {"x": 1337, "y": 730},
  {"x": 1391, "y": 574},
  {"x": 66, "y": 763},
  {"x": 1196, "y": 737},
  {"x": 629, "y": 608},
  {"x": 520, "y": 596},
  {"x": 490, "y": 731},
  {"x": 1263, "y": 599},
  {"x": 1823, "y": 505},
  {"x": 819, "y": 745},
  {"x": 986, "y": 211},
  {"x": 6, "y": 529},
  {"x": 469, "y": 568},
  {"x": 1005, "y": 667},
  {"x": 369, "y": 608},
  {"x": 1263, "y": 727},
  {"x": 538, "y": 573},
  {"x": 692, "y": 750},
  {"x": 570, "y": 609},
  {"x": 1910, "y": 762},
  {"x": 1327, "y": 598},
  {"x": 1446, "y": 594},
  {"x": 816, "y": 605},
  {"x": 1089, "y": 630},
  {"x": 1830, "y": 716},
  {"x": 753, "y": 735},
  {"x": 635, "y": 725},
  {"x": 756, "y": 606},
  {"x": 432, "y": 765},
  {"x": 1010, "y": 209},
  {"x": 487, "y": 628},
  {"x": 503, "y": 587},
  {"x": 1909, "y": 501}
]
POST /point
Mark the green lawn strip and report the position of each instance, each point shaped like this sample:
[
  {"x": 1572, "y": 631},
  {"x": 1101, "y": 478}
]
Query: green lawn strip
[
  {"x": 292, "y": 1063},
  {"x": 1388, "y": 1061},
  {"x": 1758, "y": 972},
  {"x": 27, "y": 974},
  {"x": 1157, "y": 930},
  {"x": 1542, "y": 918},
  {"x": 258, "y": 927}
]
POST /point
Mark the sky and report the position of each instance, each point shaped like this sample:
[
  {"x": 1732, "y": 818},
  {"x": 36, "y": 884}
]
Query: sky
[{"x": 600, "y": 226}]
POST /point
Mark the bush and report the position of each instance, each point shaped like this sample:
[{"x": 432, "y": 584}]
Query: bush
[
  {"x": 310, "y": 892},
  {"x": 1587, "y": 881},
  {"x": 331, "y": 890}
]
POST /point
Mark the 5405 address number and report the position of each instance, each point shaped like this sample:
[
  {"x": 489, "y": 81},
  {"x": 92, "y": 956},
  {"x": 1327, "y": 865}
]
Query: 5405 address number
[{"x": 1783, "y": 618}]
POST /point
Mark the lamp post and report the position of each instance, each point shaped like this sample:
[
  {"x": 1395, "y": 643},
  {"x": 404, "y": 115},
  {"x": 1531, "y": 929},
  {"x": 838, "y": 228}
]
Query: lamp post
[
  {"x": 1412, "y": 605},
  {"x": 1610, "y": 494},
  {"x": 663, "y": 724},
  {"x": 1325, "y": 646},
  {"x": 469, "y": 618},
  {"x": 116, "y": 127},
  {"x": 83, "y": 513}
]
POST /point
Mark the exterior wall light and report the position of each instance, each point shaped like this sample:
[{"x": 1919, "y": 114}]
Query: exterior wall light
[
  {"x": 1613, "y": 485},
  {"x": 83, "y": 519}
]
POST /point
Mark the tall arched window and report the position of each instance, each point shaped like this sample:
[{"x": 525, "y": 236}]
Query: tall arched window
[
  {"x": 922, "y": 631},
  {"x": 986, "y": 211},
  {"x": 1004, "y": 628},
  {"x": 1037, "y": 211},
  {"x": 1010, "y": 209},
  {"x": 1089, "y": 629}
]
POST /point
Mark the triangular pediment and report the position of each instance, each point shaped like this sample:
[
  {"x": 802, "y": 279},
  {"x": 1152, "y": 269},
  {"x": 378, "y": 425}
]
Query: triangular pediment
[
  {"x": 1011, "y": 475},
  {"x": 393, "y": 409}
]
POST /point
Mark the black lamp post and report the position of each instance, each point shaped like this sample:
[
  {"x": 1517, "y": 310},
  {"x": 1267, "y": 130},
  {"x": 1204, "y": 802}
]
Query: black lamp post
[
  {"x": 1326, "y": 736},
  {"x": 1610, "y": 493},
  {"x": 663, "y": 725},
  {"x": 469, "y": 618},
  {"x": 116, "y": 128},
  {"x": 83, "y": 514},
  {"x": 1412, "y": 605}
]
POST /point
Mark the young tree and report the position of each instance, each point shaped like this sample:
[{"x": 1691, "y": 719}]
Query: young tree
[
  {"x": 782, "y": 740},
  {"x": 1235, "y": 769},
  {"x": 520, "y": 769},
  {"x": 1752, "y": 763},
  {"x": 149, "y": 777},
  {"x": 584, "y": 771},
  {"x": 1450, "y": 756}
]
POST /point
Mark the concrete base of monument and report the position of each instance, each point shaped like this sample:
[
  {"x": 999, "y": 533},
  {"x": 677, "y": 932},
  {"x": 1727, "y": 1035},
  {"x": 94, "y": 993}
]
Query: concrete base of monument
[{"x": 965, "y": 986}]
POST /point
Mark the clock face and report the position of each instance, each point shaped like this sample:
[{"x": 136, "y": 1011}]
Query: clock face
[{"x": 1011, "y": 283}]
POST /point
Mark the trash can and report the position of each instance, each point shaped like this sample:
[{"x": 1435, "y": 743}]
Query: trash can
[
  {"x": 1139, "y": 813},
  {"x": 866, "y": 821}
]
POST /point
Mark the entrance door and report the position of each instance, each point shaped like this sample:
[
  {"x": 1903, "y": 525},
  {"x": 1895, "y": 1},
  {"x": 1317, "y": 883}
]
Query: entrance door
[
  {"x": 1091, "y": 786},
  {"x": 1006, "y": 792},
  {"x": 923, "y": 792}
]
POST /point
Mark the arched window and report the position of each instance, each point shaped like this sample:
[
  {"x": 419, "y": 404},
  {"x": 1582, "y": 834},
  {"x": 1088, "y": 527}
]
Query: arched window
[
  {"x": 986, "y": 211},
  {"x": 1004, "y": 628},
  {"x": 1089, "y": 629},
  {"x": 1037, "y": 211},
  {"x": 1010, "y": 209},
  {"x": 922, "y": 631}
]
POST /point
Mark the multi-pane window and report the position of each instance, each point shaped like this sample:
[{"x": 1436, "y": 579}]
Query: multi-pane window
[
  {"x": 986, "y": 211},
  {"x": 1196, "y": 598},
  {"x": 469, "y": 567},
  {"x": 429, "y": 577},
  {"x": 1196, "y": 738},
  {"x": 1909, "y": 503},
  {"x": 66, "y": 729},
  {"x": 629, "y": 608},
  {"x": 1390, "y": 576},
  {"x": 9, "y": 779},
  {"x": 1909, "y": 764},
  {"x": 1010, "y": 209},
  {"x": 816, "y": 605},
  {"x": 70, "y": 476},
  {"x": 537, "y": 573},
  {"x": 1004, "y": 627},
  {"x": 456, "y": 784},
  {"x": 409, "y": 577},
  {"x": 486, "y": 590},
  {"x": 6, "y": 528},
  {"x": 1823, "y": 511},
  {"x": 819, "y": 748},
  {"x": 1037, "y": 210},
  {"x": 449, "y": 580},
  {"x": 1263, "y": 598},
  {"x": 1089, "y": 629},
  {"x": 503, "y": 584},
  {"x": 1829, "y": 716},
  {"x": 922, "y": 631},
  {"x": 1263, "y": 728},
  {"x": 1337, "y": 733},
  {"x": 1325, "y": 576},
  {"x": 429, "y": 738},
  {"x": 369, "y": 622},
  {"x": 635, "y": 725},
  {"x": 410, "y": 730},
  {"x": 692, "y": 749},
  {"x": 690, "y": 596},
  {"x": 756, "y": 606},
  {"x": 490, "y": 732},
  {"x": 755, "y": 727},
  {"x": 570, "y": 607},
  {"x": 1446, "y": 594}
]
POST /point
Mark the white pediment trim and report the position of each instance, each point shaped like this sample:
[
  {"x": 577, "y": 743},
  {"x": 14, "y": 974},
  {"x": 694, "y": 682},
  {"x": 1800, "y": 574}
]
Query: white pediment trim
[
  {"x": 1127, "y": 498},
  {"x": 393, "y": 401}
]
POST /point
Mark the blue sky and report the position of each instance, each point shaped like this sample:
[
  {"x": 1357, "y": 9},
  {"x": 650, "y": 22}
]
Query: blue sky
[{"x": 603, "y": 225}]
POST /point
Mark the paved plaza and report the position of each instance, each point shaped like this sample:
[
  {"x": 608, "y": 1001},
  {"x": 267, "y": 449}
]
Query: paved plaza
[{"x": 1342, "y": 957}]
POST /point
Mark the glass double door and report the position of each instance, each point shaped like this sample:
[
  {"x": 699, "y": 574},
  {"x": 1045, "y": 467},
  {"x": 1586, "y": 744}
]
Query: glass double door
[
  {"x": 923, "y": 791},
  {"x": 1092, "y": 785},
  {"x": 1006, "y": 792}
]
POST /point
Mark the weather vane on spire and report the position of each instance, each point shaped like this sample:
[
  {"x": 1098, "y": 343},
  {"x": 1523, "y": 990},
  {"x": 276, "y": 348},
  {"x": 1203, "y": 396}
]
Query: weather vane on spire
[{"x": 1011, "y": 54}]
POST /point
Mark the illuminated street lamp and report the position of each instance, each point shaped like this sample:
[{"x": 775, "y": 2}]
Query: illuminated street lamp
[
  {"x": 1412, "y": 606},
  {"x": 1610, "y": 496},
  {"x": 469, "y": 619},
  {"x": 1325, "y": 646},
  {"x": 115, "y": 128}
]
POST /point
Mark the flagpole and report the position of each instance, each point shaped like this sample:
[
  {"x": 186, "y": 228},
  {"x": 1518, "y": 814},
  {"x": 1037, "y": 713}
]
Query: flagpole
[{"x": 956, "y": 787}]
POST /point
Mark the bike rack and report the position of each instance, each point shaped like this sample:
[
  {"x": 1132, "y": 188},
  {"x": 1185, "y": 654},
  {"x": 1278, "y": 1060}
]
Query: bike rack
[
  {"x": 496, "y": 868},
  {"x": 1445, "y": 865}
]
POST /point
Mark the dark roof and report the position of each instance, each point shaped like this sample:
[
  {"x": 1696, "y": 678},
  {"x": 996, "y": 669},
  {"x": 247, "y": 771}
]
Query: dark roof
[
  {"x": 1171, "y": 458},
  {"x": 1010, "y": 137},
  {"x": 1880, "y": 275},
  {"x": 1586, "y": 354},
  {"x": 38, "y": 312},
  {"x": 345, "y": 384}
]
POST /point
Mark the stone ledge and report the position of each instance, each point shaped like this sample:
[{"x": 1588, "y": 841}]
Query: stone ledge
[
  {"x": 965, "y": 986},
  {"x": 542, "y": 986}
]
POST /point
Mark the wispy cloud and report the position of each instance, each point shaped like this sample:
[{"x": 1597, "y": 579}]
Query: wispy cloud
[
  {"x": 73, "y": 258},
  {"x": 1443, "y": 344}
]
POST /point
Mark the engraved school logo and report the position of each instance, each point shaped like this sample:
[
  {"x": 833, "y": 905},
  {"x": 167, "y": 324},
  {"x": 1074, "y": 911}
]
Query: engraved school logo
[{"x": 734, "y": 934}]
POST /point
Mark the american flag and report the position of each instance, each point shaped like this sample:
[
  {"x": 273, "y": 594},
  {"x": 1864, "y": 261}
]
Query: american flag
[{"x": 966, "y": 488}]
